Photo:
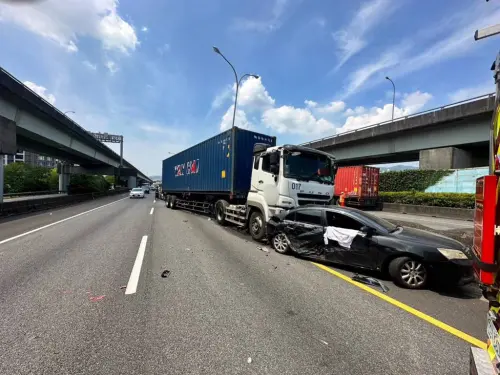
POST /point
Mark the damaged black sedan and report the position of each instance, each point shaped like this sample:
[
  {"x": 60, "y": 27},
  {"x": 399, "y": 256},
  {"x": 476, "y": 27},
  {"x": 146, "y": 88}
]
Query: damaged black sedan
[{"x": 343, "y": 235}]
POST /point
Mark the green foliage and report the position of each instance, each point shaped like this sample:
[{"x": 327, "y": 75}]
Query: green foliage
[
  {"x": 83, "y": 184},
  {"x": 53, "y": 179},
  {"x": 21, "y": 177},
  {"x": 417, "y": 180},
  {"x": 110, "y": 179},
  {"x": 429, "y": 199}
]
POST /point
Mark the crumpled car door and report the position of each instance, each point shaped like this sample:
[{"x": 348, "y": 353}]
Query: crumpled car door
[{"x": 305, "y": 239}]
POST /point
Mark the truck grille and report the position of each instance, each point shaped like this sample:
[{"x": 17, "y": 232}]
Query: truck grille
[{"x": 303, "y": 202}]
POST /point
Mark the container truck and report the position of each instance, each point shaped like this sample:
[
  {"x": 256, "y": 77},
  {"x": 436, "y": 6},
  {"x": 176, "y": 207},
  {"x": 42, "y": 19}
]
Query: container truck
[
  {"x": 244, "y": 178},
  {"x": 359, "y": 185}
]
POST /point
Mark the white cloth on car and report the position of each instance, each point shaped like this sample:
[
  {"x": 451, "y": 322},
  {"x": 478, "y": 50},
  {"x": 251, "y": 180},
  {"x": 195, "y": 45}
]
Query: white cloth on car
[{"x": 343, "y": 236}]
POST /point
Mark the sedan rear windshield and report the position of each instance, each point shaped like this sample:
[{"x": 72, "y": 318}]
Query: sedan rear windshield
[{"x": 136, "y": 189}]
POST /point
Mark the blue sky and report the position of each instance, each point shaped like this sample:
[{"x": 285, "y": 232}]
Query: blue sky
[{"x": 146, "y": 69}]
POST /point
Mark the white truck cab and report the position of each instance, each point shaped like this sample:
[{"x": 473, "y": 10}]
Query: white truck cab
[{"x": 284, "y": 177}]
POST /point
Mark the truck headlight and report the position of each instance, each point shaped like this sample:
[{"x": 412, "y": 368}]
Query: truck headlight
[{"x": 452, "y": 253}]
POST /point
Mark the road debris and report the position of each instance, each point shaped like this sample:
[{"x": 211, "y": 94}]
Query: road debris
[
  {"x": 165, "y": 273},
  {"x": 209, "y": 219},
  {"x": 185, "y": 221},
  {"x": 323, "y": 342},
  {"x": 369, "y": 281},
  {"x": 97, "y": 298},
  {"x": 188, "y": 249},
  {"x": 249, "y": 360},
  {"x": 123, "y": 287},
  {"x": 264, "y": 249},
  {"x": 275, "y": 267}
]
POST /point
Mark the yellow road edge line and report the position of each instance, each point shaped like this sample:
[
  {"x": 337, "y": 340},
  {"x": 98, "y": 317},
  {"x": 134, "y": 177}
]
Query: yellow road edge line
[{"x": 429, "y": 319}]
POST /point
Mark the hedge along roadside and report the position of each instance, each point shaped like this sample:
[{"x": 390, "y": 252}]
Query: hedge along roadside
[
  {"x": 417, "y": 180},
  {"x": 429, "y": 199}
]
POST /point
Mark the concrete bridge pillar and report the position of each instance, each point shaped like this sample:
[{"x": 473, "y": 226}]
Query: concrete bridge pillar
[
  {"x": 132, "y": 182},
  {"x": 446, "y": 158},
  {"x": 64, "y": 176}
]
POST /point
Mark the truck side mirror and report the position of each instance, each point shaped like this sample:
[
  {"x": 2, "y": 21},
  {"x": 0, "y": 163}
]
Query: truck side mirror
[
  {"x": 274, "y": 158},
  {"x": 368, "y": 230}
]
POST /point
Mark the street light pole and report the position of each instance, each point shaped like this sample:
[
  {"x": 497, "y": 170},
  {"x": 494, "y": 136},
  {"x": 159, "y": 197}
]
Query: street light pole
[
  {"x": 393, "y": 95},
  {"x": 216, "y": 50},
  {"x": 69, "y": 112}
]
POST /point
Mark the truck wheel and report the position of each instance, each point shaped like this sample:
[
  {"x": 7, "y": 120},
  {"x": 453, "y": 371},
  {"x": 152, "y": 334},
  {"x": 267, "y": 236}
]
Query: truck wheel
[
  {"x": 257, "y": 226},
  {"x": 167, "y": 201},
  {"x": 220, "y": 212},
  {"x": 172, "y": 201},
  {"x": 408, "y": 272}
]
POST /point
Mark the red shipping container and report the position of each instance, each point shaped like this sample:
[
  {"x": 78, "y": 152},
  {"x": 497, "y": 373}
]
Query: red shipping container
[{"x": 357, "y": 182}]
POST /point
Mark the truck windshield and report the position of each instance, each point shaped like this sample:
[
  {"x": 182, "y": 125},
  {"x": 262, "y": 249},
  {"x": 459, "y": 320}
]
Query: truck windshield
[{"x": 306, "y": 166}]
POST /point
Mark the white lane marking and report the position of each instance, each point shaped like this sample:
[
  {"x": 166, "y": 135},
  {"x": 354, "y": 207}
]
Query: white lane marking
[
  {"x": 154, "y": 201},
  {"x": 151, "y": 212},
  {"x": 57, "y": 222},
  {"x": 136, "y": 270}
]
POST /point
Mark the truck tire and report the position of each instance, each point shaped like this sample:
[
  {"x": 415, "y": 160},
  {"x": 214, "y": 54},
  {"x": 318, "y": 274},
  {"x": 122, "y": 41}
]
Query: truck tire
[
  {"x": 257, "y": 226},
  {"x": 167, "y": 201},
  {"x": 409, "y": 272},
  {"x": 220, "y": 212},
  {"x": 173, "y": 198}
]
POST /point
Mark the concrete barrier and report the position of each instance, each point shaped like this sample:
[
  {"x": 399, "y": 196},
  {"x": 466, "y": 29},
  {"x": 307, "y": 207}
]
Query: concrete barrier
[
  {"x": 39, "y": 204},
  {"x": 445, "y": 212}
]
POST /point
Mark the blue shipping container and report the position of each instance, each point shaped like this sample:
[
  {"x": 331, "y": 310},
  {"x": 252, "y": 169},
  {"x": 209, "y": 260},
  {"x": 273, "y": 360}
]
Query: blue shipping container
[{"x": 208, "y": 166}]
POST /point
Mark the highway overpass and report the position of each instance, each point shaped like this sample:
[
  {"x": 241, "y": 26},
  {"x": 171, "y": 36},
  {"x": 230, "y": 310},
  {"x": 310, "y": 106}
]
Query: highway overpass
[
  {"x": 30, "y": 123},
  {"x": 448, "y": 137}
]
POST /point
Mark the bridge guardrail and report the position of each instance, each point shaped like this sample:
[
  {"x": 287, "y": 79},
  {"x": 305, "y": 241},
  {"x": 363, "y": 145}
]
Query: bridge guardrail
[
  {"x": 399, "y": 118},
  {"x": 39, "y": 204},
  {"x": 30, "y": 193}
]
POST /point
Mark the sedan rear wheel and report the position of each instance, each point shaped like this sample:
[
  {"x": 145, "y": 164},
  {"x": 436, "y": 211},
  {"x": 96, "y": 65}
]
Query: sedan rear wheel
[
  {"x": 408, "y": 273},
  {"x": 280, "y": 243}
]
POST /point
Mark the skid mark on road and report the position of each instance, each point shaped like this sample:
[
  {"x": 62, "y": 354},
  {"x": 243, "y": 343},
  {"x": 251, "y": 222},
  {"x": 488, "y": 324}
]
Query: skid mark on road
[{"x": 429, "y": 319}]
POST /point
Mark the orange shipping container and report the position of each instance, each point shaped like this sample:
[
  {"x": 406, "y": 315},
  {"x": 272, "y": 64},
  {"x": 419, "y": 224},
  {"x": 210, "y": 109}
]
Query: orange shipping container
[{"x": 357, "y": 182}]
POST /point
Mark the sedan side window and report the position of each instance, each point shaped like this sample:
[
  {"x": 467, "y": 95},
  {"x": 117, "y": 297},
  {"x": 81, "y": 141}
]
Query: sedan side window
[
  {"x": 335, "y": 219},
  {"x": 309, "y": 217}
]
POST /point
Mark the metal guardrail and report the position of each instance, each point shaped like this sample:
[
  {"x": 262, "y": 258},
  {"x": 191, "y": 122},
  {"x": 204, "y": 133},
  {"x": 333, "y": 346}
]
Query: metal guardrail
[
  {"x": 18, "y": 207},
  {"x": 30, "y": 193},
  {"x": 400, "y": 118}
]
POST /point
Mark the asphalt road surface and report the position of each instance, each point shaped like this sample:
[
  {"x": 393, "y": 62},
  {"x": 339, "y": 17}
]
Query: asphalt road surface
[{"x": 85, "y": 295}]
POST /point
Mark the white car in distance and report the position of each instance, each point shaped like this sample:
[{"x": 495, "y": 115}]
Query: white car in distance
[{"x": 136, "y": 193}]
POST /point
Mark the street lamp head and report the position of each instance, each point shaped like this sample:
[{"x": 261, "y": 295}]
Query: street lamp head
[
  {"x": 254, "y": 76},
  {"x": 216, "y": 50},
  {"x": 387, "y": 77}
]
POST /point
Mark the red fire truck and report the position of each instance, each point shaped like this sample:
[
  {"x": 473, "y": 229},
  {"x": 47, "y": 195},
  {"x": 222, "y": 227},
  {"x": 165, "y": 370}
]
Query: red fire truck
[{"x": 486, "y": 248}]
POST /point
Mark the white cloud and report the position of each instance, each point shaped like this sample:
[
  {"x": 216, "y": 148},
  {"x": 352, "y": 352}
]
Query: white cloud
[
  {"x": 112, "y": 67},
  {"x": 253, "y": 96},
  {"x": 351, "y": 40},
  {"x": 240, "y": 120},
  {"x": 411, "y": 103},
  {"x": 287, "y": 119},
  {"x": 40, "y": 90},
  {"x": 222, "y": 97},
  {"x": 153, "y": 128},
  {"x": 356, "y": 111},
  {"x": 358, "y": 78},
  {"x": 63, "y": 22},
  {"x": 333, "y": 107},
  {"x": 89, "y": 65},
  {"x": 310, "y": 103},
  {"x": 144, "y": 29},
  {"x": 415, "y": 101},
  {"x": 267, "y": 24},
  {"x": 163, "y": 49},
  {"x": 471, "y": 92}
]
